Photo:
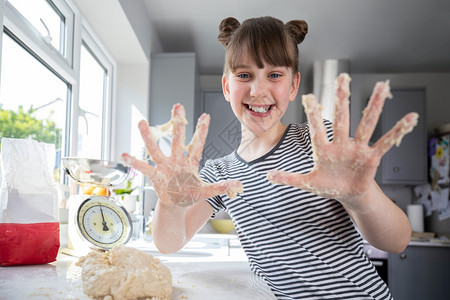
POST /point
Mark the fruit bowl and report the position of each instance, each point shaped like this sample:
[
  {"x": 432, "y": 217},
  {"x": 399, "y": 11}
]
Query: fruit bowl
[{"x": 222, "y": 225}]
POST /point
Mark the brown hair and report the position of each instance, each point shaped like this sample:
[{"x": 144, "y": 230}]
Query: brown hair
[{"x": 265, "y": 39}]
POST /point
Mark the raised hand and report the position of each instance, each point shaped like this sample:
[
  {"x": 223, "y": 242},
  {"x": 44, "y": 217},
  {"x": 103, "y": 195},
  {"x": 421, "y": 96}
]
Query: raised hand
[
  {"x": 345, "y": 168},
  {"x": 175, "y": 178}
]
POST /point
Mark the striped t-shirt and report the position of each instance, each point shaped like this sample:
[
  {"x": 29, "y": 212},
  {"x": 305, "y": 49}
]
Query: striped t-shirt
[{"x": 303, "y": 245}]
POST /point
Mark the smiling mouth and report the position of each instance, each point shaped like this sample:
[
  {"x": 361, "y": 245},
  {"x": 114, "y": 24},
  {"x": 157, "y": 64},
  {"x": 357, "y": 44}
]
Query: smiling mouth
[{"x": 259, "y": 108}]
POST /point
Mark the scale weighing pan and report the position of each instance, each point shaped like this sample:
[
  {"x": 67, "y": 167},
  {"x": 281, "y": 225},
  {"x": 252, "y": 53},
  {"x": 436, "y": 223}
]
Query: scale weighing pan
[
  {"x": 95, "y": 171},
  {"x": 102, "y": 221}
]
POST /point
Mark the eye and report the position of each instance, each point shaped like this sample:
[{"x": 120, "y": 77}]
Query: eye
[
  {"x": 275, "y": 75},
  {"x": 243, "y": 75}
]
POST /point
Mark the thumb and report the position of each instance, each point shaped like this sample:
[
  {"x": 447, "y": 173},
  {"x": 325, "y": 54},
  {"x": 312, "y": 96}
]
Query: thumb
[
  {"x": 288, "y": 178},
  {"x": 229, "y": 187}
]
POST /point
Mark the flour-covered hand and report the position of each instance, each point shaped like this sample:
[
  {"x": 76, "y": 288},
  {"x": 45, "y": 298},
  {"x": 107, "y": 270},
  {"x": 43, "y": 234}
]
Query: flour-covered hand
[
  {"x": 175, "y": 178},
  {"x": 345, "y": 168}
]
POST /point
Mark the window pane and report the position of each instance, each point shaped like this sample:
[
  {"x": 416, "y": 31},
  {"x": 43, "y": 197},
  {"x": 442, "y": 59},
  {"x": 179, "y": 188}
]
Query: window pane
[
  {"x": 92, "y": 95},
  {"x": 34, "y": 11},
  {"x": 33, "y": 92}
]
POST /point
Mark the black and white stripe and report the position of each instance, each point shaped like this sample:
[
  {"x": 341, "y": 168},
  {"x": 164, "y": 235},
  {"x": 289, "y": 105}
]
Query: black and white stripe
[{"x": 304, "y": 246}]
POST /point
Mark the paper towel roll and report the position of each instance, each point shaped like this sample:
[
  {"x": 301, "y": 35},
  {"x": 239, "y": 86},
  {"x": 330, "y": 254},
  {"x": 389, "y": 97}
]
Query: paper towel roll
[{"x": 415, "y": 215}]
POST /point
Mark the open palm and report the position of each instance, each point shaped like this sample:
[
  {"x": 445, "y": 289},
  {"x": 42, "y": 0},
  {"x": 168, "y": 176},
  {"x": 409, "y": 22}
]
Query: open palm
[
  {"x": 345, "y": 167},
  {"x": 175, "y": 178}
]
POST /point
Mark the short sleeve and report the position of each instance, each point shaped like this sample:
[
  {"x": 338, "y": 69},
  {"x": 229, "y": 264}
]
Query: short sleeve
[{"x": 209, "y": 174}]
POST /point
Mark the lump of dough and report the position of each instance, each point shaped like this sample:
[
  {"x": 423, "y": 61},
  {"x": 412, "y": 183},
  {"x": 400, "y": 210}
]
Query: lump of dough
[{"x": 124, "y": 273}]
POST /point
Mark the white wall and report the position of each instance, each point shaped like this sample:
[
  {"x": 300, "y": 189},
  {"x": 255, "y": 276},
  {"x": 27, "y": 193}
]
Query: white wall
[
  {"x": 132, "y": 106},
  {"x": 137, "y": 15},
  {"x": 110, "y": 23}
]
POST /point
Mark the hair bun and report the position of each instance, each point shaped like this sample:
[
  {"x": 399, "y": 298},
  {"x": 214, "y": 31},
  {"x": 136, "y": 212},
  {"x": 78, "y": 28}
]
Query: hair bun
[
  {"x": 226, "y": 29},
  {"x": 297, "y": 29}
]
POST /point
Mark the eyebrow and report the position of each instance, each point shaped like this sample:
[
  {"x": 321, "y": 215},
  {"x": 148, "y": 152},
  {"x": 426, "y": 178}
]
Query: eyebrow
[{"x": 241, "y": 66}]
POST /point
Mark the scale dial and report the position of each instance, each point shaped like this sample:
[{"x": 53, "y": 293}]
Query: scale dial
[{"x": 104, "y": 223}]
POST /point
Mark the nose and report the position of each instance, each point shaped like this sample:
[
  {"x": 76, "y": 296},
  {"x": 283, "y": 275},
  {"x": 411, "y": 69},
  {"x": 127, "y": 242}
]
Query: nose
[{"x": 258, "y": 88}]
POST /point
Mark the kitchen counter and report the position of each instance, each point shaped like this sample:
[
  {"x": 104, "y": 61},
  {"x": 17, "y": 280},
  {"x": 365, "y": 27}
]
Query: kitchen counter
[
  {"x": 211, "y": 266},
  {"x": 429, "y": 242},
  {"x": 424, "y": 242}
]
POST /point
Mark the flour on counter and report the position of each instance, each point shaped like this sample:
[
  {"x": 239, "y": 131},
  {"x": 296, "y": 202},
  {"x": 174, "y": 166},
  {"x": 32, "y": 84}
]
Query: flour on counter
[{"x": 124, "y": 273}]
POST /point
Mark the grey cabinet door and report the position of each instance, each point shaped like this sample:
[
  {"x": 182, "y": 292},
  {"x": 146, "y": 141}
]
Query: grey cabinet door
[
  {"x": 224, "y": 134},
  {"x": 406, "y": 164},
  {"x": 420, "y": 273},
  {"x": 173, "y": 79}
]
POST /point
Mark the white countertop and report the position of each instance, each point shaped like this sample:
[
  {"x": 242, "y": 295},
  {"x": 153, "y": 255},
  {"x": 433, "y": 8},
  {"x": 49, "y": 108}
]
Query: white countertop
[{"x": 211, "y": 266}]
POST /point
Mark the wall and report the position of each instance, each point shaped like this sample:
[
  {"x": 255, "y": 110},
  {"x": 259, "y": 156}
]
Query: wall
[
  {"x": 137, "y": 15},
  {"x": 110, "y": 23},
  {"x": 131, "y": 107}
]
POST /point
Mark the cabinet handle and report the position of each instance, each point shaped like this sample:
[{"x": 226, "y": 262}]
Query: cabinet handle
[
  {"x": 403, "y": 255},
  {"x": 396, "y": 169}
]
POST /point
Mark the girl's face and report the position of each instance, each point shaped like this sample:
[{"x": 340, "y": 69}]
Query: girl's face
[{"x": 260, "y": 97}]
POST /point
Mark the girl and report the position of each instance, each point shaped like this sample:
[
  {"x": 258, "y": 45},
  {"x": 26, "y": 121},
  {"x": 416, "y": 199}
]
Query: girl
[{"x": 295, "y": 192}]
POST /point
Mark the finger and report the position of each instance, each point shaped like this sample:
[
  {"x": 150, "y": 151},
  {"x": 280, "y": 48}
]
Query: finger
[
  {"x": 341, "y": 124},
  {"x": 395, "y": 135},
  {"x": 372, "y": 112},
  {"x": 307, "y": 182},
  {"x": 288, "y": 178},
  {"x": 178, "y": 131},
  {"x": 317, "y": 128},
  {"x": 139, "y": 165},
  {"x": 197, "y": 190},
  {"x": 229, "y": 187},
  {"x": 195, "y": 148},
  {"x": 151, "y": 142}
]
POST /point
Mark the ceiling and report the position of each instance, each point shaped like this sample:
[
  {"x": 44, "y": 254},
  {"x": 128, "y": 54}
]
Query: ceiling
[{"x": 377, "y": 36}]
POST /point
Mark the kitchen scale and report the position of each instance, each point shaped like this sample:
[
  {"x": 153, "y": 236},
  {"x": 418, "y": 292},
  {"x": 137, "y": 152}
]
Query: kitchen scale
[{"x": 96, "y": 221}]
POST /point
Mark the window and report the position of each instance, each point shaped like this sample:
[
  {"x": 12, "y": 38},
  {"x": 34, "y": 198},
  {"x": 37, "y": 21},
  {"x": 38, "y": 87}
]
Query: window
[
  {"x": 57, "y": 76},
  {"x": 95, "y": 101},
  {"x": 92, "y": 97},
  {"x": 32, "y": 97},
  {"x": 45, "y": 18}
]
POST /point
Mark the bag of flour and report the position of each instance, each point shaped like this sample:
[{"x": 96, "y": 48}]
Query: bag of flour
[{"x": 29, "y": 226}]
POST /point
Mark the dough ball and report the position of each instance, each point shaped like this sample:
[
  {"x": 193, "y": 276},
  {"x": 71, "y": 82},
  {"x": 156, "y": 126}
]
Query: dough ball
[{"x": 124, "y": 273}]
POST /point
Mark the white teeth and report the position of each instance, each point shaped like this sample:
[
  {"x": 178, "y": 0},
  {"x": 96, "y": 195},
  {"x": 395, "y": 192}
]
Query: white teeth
[{"x": 259, "y": 109}]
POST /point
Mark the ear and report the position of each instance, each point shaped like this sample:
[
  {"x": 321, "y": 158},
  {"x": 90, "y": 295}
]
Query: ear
[
  {"x": 294, "y": 86},
  {"x": 225, "y": 87}
]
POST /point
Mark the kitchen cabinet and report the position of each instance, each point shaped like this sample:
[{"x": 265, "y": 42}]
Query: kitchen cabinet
[
  {"x": 224, "y": 134},
  {"x": 174, "y": 79},
  {"x": 406, "y": 164},
  {"x": 420, "y": 272}
]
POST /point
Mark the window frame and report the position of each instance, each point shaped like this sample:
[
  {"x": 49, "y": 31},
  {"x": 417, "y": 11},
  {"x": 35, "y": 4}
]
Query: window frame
[
  {"x": 89, "y": 39},
  {"x": 67, "y": 65}
]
